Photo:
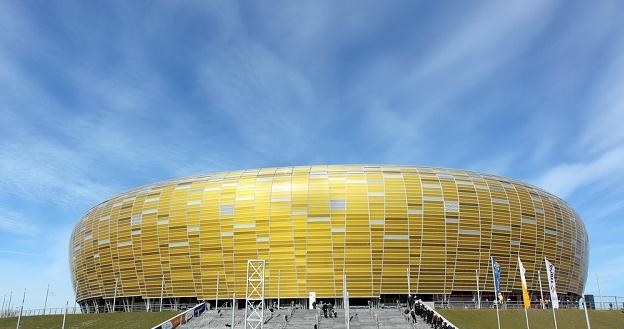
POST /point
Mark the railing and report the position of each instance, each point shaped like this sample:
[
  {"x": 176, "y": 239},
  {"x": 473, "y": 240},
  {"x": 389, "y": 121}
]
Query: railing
[
  {"x": 288, "y": 317},
  {"x": 423, "y": 305},
  {"x": 40, "y": 311},
  {"x": 182, "y": 318},
  {"x": 608, "y": 303},
  {"x": 139, "y": 307},
  {"x": 14, "y": 312}
]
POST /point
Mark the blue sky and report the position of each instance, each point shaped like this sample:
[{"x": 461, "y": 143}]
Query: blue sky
[{"x": 99, "y": 97}]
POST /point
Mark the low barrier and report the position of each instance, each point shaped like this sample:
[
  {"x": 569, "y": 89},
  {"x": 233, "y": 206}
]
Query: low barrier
[
  {"x": 40, "y": 311},
  {"x": 183, "y": 317},
  {"x": 599, "y": 303},
  {"x": 425, "y": 306}
]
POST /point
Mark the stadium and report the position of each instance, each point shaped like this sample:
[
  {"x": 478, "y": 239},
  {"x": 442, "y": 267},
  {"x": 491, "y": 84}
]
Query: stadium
[{"x": 389, "y": 230}]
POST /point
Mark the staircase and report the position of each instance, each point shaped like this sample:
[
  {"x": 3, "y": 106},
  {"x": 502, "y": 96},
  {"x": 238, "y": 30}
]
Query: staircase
[
  {"x": 214, "y": 319},
  {"x": 302, "y": 319},
  {"x": 305, "y": 319},
  {"x": 332, "y": 323},
  {"x": 360, "y": 319},
  {"x": 393, "y": 318}
]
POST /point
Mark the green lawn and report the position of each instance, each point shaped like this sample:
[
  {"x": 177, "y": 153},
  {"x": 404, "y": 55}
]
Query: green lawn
[
  {"x": 136, "y": 320},
  {"x": 538, "y": 319}
]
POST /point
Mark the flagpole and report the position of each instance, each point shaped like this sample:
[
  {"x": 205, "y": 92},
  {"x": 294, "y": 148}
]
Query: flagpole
[
  {"x": 21, "y": 310},
  {"x": 45, "y": 303},
  {"x": 162, "y": 289},
  {"x": 599, "y": 292},
  {"x": 495, "y": 297},
  {"x": 233, "y": 310},
  {"x": 551, "y": 281},
  {"x": 8, "y": 309},
  {"x": 554, "y": 316},
  {"x": 217, "y": 295},
  {"x": 525, "y": 295},
  {"x": 409, "y": 285},
  {"x": 539, "y": 279},
  {"x": 478, "y": 291},
  {"x": 115, "y": 295},
  {"x": 65, "y": 314},
  {"x": 585, "y": 308}
]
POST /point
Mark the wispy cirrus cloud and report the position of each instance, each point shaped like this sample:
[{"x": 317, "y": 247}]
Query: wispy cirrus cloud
[
  {"x": 17, "y": 252},
  {"x": 597, "y": 150},
  {"x": 565, "y": 179},
  {"x": 17, "y": 224},
  {"x": 98, "y": 98}
]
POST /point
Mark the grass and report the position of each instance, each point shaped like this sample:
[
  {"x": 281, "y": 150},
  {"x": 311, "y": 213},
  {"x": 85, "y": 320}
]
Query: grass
[
  {"x": 465, "y": 319},
  {"x": 136, "y": 320},
  {"x": 538, "y": 319}
]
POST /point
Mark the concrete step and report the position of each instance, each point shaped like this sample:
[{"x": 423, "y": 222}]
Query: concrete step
[{"x": 305, "y": 319}]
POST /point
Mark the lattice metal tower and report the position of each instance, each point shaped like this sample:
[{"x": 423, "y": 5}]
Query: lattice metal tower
[{"x": 254, "y": 294}]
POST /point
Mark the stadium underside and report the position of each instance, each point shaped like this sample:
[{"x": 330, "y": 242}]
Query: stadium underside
[{"x": 457, "y": 299}]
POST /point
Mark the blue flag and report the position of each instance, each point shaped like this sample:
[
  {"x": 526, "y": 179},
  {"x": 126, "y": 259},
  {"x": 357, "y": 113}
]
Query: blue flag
[{"x": 496, "y": 270}]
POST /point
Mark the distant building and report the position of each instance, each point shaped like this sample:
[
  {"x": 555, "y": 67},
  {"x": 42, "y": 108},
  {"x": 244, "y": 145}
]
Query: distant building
[{"x": 311, "y": 224}]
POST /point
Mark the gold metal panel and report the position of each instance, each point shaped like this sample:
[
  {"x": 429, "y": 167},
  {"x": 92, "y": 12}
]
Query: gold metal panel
[{"x": 311, "y": 224}]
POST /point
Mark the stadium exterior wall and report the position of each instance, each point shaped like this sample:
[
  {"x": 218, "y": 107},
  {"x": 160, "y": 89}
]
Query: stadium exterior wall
[{"x": 313, "y": 223}]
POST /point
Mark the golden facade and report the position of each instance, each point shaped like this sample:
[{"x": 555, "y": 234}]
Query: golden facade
[{"x": 312, "y": 224}]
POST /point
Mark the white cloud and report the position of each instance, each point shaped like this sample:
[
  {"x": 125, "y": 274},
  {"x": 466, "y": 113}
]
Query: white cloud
[
  {"x": 59, "y": 152},
  {"x": 486, "y": 39},
  {"x": 266, "y": 100},
  {"x": 15, "y": 223},
  {"x": 45, "y": 171},
  {"x": 17, "y": 252},
  {"x": 564, "y": 179},
  {"x": 495, "y": 164},
  {"x": 36, "y": 269},
  {"x": 261, "y": 96},
  {"x": 599, "y": 145},
  {"x": 605, "y": 106},
  {"x": 410, "y": 98}
]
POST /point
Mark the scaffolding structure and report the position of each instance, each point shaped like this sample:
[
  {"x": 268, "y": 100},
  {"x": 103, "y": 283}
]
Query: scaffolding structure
[{"x": 254, "y": 294}]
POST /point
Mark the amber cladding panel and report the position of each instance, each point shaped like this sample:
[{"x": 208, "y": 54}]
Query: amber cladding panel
[{"x": 312, "y": 224}]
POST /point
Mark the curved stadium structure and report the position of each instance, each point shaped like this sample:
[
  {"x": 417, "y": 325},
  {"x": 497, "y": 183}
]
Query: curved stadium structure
[{"x": 374, "y": 223}]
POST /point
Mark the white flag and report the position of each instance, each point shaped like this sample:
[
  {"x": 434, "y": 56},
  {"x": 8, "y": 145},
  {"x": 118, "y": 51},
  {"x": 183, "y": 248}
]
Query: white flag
[{"x": 550, "y": 270}]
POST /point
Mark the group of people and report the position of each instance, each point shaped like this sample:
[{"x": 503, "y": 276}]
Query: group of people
[
  {"x": 429, "y": 316},
  {"x": 328, "y": 309}
]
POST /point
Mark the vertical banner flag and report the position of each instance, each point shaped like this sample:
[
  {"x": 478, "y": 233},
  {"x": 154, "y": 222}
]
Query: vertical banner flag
[
  {"x": 550, "y": 270},
  {"x": 496, "y": 269},
  {"x": 525, "y": 291}
]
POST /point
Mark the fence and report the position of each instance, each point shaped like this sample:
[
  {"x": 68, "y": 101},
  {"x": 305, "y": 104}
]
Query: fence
[
  {"x": 607, "y": 302},
  {"x": 40, "y": 311},
  {"x": 506, "y": 305},
  {"x": 183, "y": 318},
  {"x": 136, "y": 307},
  {"x": 14, "y": 312},
  {"x": 599, "y": 303}
]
